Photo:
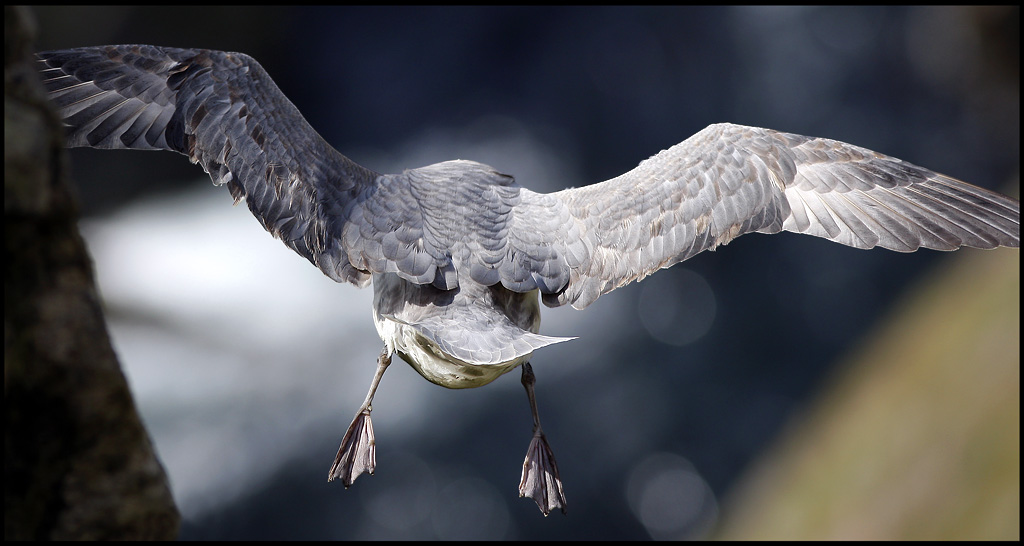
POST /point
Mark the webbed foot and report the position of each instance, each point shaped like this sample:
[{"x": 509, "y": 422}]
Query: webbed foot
[
  {"x": 540, "y": 479},
  {"x": 357, "y": 453}
]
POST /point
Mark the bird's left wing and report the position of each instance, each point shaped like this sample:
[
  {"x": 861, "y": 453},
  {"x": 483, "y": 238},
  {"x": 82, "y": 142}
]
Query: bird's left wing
[{"x": 224, "y": 112}]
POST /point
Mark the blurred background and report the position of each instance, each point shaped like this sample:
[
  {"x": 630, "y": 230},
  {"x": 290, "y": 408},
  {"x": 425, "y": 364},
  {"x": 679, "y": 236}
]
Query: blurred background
[{"x": 682, "y": 393}]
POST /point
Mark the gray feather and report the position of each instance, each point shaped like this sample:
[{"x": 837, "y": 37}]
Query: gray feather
[{"x": 440, "y": 223}]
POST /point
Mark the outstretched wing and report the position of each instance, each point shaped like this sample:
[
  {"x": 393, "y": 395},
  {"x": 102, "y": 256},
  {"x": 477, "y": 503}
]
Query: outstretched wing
[
  {"x": 728, "y": 180},
  {"x": 433, "y": 224},
  {"x": 224, "y": 112}
]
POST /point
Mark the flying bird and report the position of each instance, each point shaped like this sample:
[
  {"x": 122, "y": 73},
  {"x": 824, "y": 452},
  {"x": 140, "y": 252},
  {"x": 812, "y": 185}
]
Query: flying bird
[{"x": 459, "y": 254}]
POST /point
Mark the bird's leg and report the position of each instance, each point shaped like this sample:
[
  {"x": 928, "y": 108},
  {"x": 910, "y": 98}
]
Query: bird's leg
[
  {"x": 540, "y": 481},
  {"x": 357, "y": 453}
]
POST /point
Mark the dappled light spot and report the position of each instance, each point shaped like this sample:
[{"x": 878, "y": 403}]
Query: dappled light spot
[
  {"x": 676, "y": 307},
  {"x": 670, "y": 498}
]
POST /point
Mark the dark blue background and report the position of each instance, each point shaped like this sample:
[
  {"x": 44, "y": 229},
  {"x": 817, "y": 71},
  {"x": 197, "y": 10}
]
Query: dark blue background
[{"x": 607, "y": 88}]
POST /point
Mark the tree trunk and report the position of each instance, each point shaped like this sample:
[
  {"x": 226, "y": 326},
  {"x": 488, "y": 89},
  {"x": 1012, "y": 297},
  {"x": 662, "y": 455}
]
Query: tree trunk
[{"x": 78, "y": 463}]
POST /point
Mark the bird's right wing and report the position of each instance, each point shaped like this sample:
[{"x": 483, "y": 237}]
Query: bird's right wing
[{"x": 728, "y": 180}]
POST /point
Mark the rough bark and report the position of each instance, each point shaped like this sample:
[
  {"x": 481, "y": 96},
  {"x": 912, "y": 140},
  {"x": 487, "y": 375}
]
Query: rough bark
[{"x": 78, "y": 463}]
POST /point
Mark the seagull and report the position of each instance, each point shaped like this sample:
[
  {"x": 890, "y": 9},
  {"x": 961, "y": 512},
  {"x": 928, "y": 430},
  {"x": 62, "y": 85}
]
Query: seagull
[{"x": 460, "y": 255}]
